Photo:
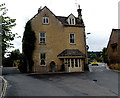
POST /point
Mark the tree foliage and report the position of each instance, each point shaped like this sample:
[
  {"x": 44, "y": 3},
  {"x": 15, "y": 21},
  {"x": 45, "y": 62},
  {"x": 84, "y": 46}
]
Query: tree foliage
[
  {"x": 16, "y": 59},
  {"x": 13, "y": 56},
  {"x": 6, "y": 34},
  {"x": 95, "y": 56},
  {"x": 105, "y": 55},
  {"x": 28, "y": 45}
]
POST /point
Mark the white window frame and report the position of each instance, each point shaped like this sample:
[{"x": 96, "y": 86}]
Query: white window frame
[
  {"x": 72, "y": 21},
  {"x": 45, "y": 20},
  {"x": 71, "y": 38},
  {"x": 42, "y": 37},
  {"x": 42, "y": 59}
]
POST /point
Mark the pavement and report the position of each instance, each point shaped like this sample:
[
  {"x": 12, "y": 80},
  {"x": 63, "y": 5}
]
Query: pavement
[
  {"x": 10, "y": 70},
  {"x": 3, "y": 81}
]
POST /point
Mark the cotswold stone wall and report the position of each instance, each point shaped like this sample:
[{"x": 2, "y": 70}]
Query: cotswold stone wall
[
  {"x": 114, "y": 52},
  {"x": 114, "y": 66}
]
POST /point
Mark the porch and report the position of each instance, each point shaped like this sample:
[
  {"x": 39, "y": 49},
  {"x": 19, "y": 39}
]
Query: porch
[{"x": 73, "y": 60}]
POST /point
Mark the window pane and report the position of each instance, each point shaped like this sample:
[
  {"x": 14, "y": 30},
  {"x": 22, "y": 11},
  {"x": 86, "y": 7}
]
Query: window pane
[
  {"x": 45, "y": 20},
  {"x": 76, "y": 63},
  {"x": 42, "y": 59},
  {"x": 42, "y": 34},
  {"x": 72, "y": 21},
  {"x": 42, "y": 40},
  {"x": 42, "y": 37},
  {"x": 42, "y": 55},
  {"x": 68, "y": 62},
  {"x": 71, "y": 35},
  {"x": 42, "y": 62},
  {"x": 72, "y": 62},
  {"x": 71, "y": 40}
]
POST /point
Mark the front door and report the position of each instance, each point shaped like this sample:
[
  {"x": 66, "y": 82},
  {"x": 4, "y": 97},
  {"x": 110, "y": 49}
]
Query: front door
[{"x": 52, "y": 66}]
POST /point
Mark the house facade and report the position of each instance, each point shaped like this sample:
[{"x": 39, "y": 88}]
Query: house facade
[
  {"x": 60, "y": 42},
  {"x": 113, "y": 49}
]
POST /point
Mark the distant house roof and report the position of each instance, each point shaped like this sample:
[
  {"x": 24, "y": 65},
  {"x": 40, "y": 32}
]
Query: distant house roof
[
  {"x": 71, "y": 52},
  {"x": 114, "y": 31}
]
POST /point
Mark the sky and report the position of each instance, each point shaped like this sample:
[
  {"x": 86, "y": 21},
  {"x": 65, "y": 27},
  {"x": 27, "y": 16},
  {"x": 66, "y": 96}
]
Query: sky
[{"x": 99, "y": 16}]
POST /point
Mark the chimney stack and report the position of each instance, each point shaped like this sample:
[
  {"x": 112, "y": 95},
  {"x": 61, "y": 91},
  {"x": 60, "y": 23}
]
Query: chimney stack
[
  {"x": 39, "y": 9},
  {"x": 79, "y": 12}
]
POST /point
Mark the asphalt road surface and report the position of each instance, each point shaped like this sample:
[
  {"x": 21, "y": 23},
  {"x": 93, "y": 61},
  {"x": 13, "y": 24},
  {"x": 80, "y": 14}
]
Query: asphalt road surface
[
  {"x": 95, "y": 83},
  {"x": 104, "y": 76}
]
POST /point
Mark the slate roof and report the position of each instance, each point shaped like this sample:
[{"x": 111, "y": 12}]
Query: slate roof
[
  {"x": 64, "y": 21},
  {"x": 71, "y": 52},
  {"x": 117, "y": 42}
]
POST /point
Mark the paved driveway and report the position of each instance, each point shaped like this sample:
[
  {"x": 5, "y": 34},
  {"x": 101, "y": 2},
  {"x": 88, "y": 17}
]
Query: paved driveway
[
  {"x": 54, "y": 85},
  {"x": 73, "y": 84}
]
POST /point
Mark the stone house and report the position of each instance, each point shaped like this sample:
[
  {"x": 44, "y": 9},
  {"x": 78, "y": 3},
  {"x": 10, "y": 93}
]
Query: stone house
[
  {"x": 113, "y": 49},
  {"x": 60, "y": 42}
]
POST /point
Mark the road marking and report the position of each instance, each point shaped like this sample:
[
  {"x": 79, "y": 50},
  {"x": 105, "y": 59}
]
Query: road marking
[{"x": 4, "y": 87}]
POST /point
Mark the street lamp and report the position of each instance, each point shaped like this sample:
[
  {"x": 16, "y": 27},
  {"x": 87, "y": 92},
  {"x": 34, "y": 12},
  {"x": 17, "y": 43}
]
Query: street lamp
[
  {"x": 86, "y": 38},
  {"x": 88, "y": 34},
  {"x": 86, "y": 49}
]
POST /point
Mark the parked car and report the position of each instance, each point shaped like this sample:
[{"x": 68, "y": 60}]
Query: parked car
[{"x": 94, "y": 63}]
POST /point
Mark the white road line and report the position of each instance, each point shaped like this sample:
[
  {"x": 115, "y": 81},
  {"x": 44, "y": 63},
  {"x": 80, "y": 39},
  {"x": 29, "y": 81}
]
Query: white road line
[{"x": 4, "y": 87}]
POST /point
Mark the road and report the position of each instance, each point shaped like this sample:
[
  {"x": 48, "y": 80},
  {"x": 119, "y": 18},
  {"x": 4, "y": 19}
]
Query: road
[
  {"x": 95, "y": 83},
  {"x": 104, "y": 76},
  {"x": 101, "y": 67}
]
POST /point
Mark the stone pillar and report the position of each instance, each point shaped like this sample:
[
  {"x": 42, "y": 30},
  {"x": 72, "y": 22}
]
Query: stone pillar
[
  {"x": 67, "y": 65},
  {"x": 78, "y": 62},
  {"x": 81, "y": 63},
  {"x": 64, "y": 62},
  {"x": 74, "y": 62},
  {"x": 70, "y": 66}
]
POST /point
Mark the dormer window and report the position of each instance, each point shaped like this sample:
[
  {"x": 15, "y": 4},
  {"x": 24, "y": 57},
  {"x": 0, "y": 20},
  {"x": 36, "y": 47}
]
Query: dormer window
[
  {"x": 45, "y": 20},
  {"x": 71, "y": 21}
]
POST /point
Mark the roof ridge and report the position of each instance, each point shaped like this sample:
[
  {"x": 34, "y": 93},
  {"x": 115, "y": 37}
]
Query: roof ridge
[{"x": 62, "y": 16}]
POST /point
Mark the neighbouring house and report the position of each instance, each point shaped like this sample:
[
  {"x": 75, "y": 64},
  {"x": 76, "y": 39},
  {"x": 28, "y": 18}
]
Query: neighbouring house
[
  {"x": 113, "y": 49},
  {"x": 60, "y": 42}
]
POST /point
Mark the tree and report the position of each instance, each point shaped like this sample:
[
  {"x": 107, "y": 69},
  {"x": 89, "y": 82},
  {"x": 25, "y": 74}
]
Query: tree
[
  {"x": 16, "y": 59},
  {"x": 28, "y": 45},
  {"x": 105, "y": 55},
  {"x": 6, "y": 34},
  {"x": 13, "y": 56}
]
